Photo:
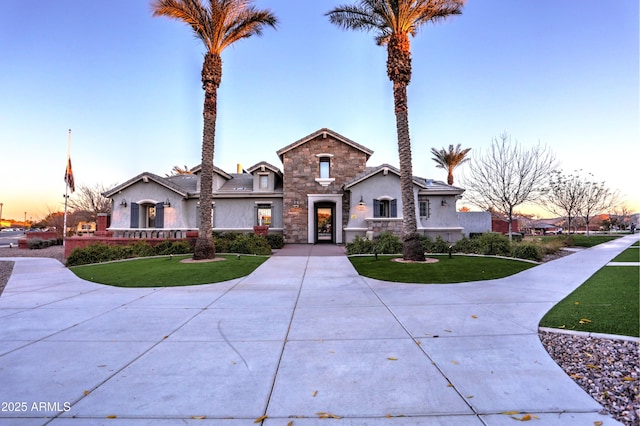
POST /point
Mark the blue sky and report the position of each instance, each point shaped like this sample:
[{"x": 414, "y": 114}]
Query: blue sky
[{"x": 559, "y": 72}]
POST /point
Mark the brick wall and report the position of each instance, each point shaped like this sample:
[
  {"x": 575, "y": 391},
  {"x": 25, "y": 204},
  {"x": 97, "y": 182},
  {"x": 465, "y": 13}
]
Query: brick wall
[{"x": 301, "y": 168}]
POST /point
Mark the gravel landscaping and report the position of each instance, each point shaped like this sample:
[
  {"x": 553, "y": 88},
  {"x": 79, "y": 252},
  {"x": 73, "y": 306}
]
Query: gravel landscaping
[{"x": 609, "y": 370}]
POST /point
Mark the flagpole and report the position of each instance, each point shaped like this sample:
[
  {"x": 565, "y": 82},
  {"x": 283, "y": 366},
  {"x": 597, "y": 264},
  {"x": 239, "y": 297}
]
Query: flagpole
[{"x": 66, "y": 193}]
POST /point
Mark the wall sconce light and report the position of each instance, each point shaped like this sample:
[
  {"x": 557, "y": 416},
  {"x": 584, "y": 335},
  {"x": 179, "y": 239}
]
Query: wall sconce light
[
  {"x": 167, "y": 203},
  {"x": 296, "y": 204},
  {"x": 361, "y": 203},
  {"x": 123, "y": 203},
  {"x": 444, "y": 203}
]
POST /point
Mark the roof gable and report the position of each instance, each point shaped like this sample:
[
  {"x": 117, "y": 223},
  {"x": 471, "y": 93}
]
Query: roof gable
[
  {"x": 262, "y": 166},
  {"x": 147, "y": 177},
  {"x": 324, "y": 132},
  {"x": 385, "y": 169},
  {"x": 198, "y": 169}
]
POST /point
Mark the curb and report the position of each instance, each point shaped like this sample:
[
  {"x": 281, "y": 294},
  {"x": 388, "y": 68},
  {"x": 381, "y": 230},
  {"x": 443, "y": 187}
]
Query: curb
[{"x": 589, "y": 334}]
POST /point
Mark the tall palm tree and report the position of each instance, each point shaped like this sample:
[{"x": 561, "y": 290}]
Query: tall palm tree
[
  {"x": 218, "y": 24},
  {"x": 393, "y": 21},
  {"x": 449, "y": 160}
]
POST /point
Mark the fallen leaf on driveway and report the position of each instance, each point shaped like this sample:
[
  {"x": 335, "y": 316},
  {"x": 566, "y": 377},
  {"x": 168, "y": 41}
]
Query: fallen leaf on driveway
[
  {"x": 524, "y": 418},
  {"x": 260, "y": 419}
]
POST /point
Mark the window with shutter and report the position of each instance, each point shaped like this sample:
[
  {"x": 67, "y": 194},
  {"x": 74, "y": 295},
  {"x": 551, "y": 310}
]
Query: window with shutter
[
  {"x": 135, "y": 215},
  {"x": 393, "y": 210},
  {"x": 159, "y": 215}
]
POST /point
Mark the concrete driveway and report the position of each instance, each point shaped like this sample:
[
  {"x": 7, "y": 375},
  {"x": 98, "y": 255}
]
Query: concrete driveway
[{"x": 304, "y": 339}]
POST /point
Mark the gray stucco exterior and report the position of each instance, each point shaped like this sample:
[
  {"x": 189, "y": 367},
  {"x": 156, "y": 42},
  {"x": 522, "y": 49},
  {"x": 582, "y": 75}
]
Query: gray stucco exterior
[{"x": 366, "y": 205}]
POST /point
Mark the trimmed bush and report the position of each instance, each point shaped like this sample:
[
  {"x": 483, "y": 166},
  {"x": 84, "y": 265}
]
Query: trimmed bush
[
  {"x": 142, "y": 249},
  {"x": 466, "y": 245},
  {"x": 531, "y": 251},
  {"x": 493, "y": 243},
  {"x": 387, "y": 243},
  {"x": 440, "y": 245},
  {"x": 359, "y": 245},
  {"x": 172, "y": 247},
  {"x": 35, "y": 243},
  {"x": 94, "y": 253},
  {"x": 276, "y": 241},
  {"x": 250, "y": 244}
]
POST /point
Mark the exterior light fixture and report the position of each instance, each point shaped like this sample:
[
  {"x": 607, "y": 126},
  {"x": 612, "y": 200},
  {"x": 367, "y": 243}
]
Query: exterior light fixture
[
  {"x": 361, "y": 202},
  {"x": 296, "y": 204},
  {"x": 444, "y": 203},
  {"x": 123, "y": 203},
  {"x": 167, "y": 203}
]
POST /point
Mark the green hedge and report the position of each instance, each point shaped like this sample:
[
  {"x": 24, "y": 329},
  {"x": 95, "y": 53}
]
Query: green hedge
[
  {"x": 96, "y": 253},
  {"x": 489, "y": 243}
]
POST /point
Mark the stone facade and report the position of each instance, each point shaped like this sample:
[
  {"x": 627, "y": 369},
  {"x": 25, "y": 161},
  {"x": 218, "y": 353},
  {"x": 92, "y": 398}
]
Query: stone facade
[{"x": 301, "y": 166}]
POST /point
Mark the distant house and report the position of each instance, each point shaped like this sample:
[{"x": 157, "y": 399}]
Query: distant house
[{"x": 325, "y": 193}]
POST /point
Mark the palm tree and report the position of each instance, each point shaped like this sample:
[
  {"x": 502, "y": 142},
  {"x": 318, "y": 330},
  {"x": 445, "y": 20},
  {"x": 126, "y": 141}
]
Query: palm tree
[
  {"x": 393, "y": 21},
  {"x": 449, "y": 160},
  {"x": 218, "y": 24}
]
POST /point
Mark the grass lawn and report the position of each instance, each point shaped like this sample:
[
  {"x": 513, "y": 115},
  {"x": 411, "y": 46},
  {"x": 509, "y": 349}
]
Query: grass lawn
[
  {"x": 455, "y": 270},
  {"x": 629, "y": 255},
  {"x": 606, "y": 303},
  {"x": 581, "y": 240},
  {"x": 167, "y": 271}
]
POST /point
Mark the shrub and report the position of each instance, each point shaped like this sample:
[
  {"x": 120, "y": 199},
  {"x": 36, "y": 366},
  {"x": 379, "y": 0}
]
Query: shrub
[
  {"x": 142, "y": 249},
  {"x": 172, "y": 247},
  {"x": 222, "y": 244},
  {"x": 466, "y": 245},
  {"x": 35, "y": 243},
  {"x": 530, "y": 251},
  {"x": 493, "y": 243},
  {"x": 426, "y": 243},
  {"x": 250, "y": 244},
  {"x": 359, "y": 245},
  {"x": 440, "y": 245},
  {"x": 387, "y": 243},
  {"x": 94, "y": 253},
  {"x": 276, "y": 241}
]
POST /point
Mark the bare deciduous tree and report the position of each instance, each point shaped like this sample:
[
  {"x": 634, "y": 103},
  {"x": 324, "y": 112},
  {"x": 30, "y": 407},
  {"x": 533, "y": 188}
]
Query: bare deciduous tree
[
  {"x": 564, "y": 195},
  {"x": 508, "y": 175},
  {"x": 598, "y": 198},
  {"x": 88, "y": 201}
]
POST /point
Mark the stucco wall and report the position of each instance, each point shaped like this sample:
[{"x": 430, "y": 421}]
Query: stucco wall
[
  {"x": 241, "y": 214},
  {"x": 475, "y": 222}
]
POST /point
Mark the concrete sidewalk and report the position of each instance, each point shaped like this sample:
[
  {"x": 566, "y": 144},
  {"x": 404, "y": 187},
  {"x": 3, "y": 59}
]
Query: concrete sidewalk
[{"x": 302, "y": 338}]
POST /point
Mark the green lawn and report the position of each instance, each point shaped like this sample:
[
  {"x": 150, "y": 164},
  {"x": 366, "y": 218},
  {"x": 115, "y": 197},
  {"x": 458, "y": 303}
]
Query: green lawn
[
  {"x": 455, "y": 270},
  {"x": 168, "y": 271},
  {"x": 629, "y": 255},
  {"x": 581, "y": 240},
  {"x": 606, "y": 303}
]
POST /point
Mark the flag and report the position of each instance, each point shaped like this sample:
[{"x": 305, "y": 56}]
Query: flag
[{"x": 68, "y": 176}]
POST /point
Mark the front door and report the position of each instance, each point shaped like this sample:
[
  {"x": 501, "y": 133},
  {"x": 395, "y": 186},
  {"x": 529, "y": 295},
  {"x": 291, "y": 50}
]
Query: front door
[{"x": 325, "y": 229}]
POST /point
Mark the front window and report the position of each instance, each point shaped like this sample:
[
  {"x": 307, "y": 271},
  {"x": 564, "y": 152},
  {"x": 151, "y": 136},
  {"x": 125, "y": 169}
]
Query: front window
[
  {"x": 424, "y": 207},
  {"x": 325, "y": 163},
  {"x": 264, "y": 214},
  {"x": 263, "y": 181},
  {"x": 385, "y": 208}
]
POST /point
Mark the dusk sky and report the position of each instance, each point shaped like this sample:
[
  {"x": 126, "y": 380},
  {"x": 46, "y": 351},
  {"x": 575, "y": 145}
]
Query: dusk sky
[{"x": 563, "y": 73}]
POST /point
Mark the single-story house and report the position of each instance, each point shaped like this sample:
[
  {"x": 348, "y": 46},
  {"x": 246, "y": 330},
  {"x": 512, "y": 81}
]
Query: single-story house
[{"x": 325, "y": 193}]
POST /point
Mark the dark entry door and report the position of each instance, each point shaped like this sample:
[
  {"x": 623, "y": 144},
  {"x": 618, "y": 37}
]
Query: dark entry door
[{"x": 325, "y": 227}]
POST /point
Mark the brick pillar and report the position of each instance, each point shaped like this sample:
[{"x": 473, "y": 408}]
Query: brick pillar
[{"x": 102, "y": 224}]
